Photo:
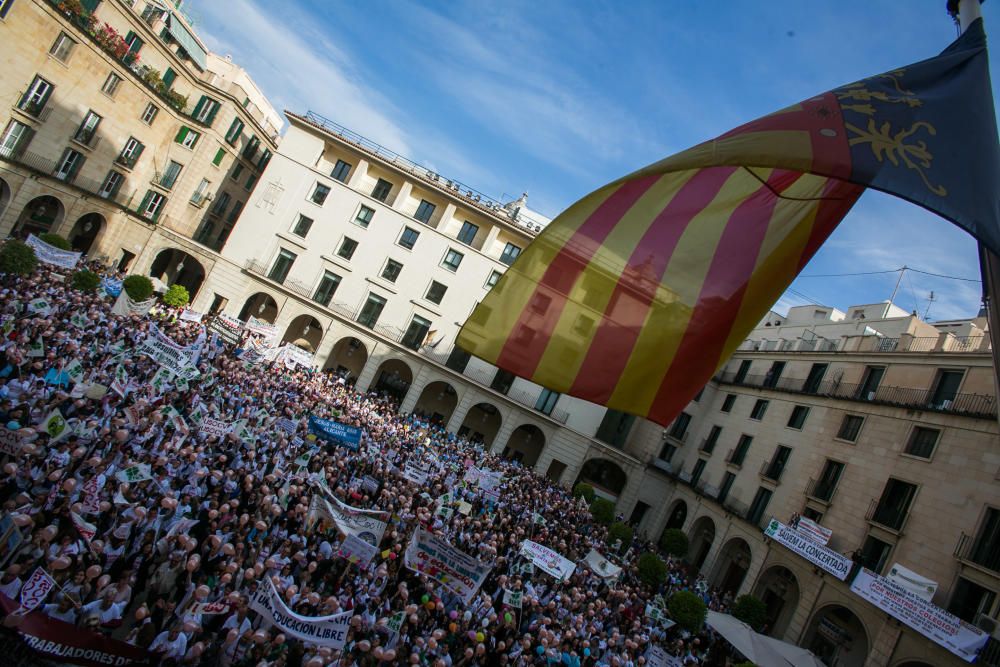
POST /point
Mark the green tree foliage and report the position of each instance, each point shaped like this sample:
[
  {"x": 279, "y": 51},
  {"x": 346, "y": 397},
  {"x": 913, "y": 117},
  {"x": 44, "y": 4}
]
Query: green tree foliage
[
  {"x": 674, "y": 542},
  {"x": 603, "y": 511},
  {"x": 86, "y": 281},
  {"x": 584, "y": 490},
  {"x": 620, "y": 531},
  {"x": 17, "y": 258},
  {"x": 138, "y": 288},
  {"x": 751, "y": 610},
  {"x": 688, "y": 610},
  {"x": 652, "y": 569},
  {"x": 56, "y": 240},
  {"x": 177, "y": 296}
]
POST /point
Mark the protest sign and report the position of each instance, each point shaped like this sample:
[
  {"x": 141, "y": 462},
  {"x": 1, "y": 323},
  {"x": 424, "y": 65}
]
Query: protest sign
[
  {"x": 512, "y": 598},
  {"x": 415, "y": 472},
  {"x": 111, "y": 286},
  {"x": 262, "y": 328},
  {"x": 35, "y": 590},
  {"x": 86, "y": 530},
  {"x": 833, "y": 562},
  {"x": 601, "y": 566},
  {"x": 188, "y": 315},
  {"x": 328, "y": 429},
  {"x": 125, "y": 306},
  {"x": 548, "y": 560},
  {"x": 455, "y": 570},
  {"x": 50, "y": 254},
  {"x": 209, "y": 608},
  {"x": 323, "y": 630},
  {"x": 10, "y": 442},
  {"x": 214, "y": 427},
  {"x": 357, "y": 550},
  {"x": 228, "y": 328},
  {"x": 348, "y": 520},
  {"x": 657, "y": 657},
  {"x": 40, "y": 306},
  {"x": 55, "y": 426},
  {"x": 657, "y": 615},
  {"x": 813, "y": 530},
  {"x": 140, "y": 472},
  {"x": 941, "y": 627},
  {"x": 287, "y": 425},
  {"x": 394, "y": 623}
]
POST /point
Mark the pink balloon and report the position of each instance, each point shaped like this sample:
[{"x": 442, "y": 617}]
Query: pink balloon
[
  {"x": 60, "y": 563},
  {"x": 10, "y": 469},
  {"x": 22, "y": 520},
  {"x": 141, "y": 613},
  {"x": 102, "y": 582},
  {"x": 93, "y": 571}
]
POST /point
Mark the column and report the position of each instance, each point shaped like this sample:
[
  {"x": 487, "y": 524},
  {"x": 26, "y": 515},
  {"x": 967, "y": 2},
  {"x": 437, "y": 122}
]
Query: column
[
  {"x": 884, "y": 643},
  {"x": 367, "y": 375},
  {"x": 421, "y": 380},
  {"x": 469, "y": 399},
  {"x": 503, "y": 435},
  {"x": 358, "y": 175},
  {"x": 402, "y": 195}
]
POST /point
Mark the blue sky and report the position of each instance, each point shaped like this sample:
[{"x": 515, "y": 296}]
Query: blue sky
[{"x": 558, "y": 98}]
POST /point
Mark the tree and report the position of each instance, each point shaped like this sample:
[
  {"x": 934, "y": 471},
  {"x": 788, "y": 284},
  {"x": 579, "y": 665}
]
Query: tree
[
  {"x": 138, "y": 288},
  {"x": 751, "y": 610},
  {"x": 584, "y": 490},
  {"x": 17, "y": 258},
  {"x": 674, "y": 542},
  {"x": 652, "y": 569},
  {"x": 177, "y": 296},
  {"x": 86, "y": 281},
  {"x": 56, "y": 240},
  {"x": 688, "y": 610},
  {"x": 603, "y": 511},
  {"x": 620, "y": 531}
]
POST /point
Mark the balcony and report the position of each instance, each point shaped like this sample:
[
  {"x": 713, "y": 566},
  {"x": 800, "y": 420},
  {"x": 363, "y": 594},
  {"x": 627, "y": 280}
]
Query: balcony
[
  {"x": 127, "y": 161},
  {"x": 736, "y": 507},
  {"x": 971, "y": 405},
  {"x": 40, "y": 111},
  {"x": 946, "y": 342},
  {"x": 979, "y": 552},
  {"x": 735, "y": 458},
  {"x": 708, "y": 445},
  {"x": 889, "y": 518},
  {"x": 771, "y": 471},
  {"x": 199, "y": 199},
  {"x": 47, "y": 167},
  {"x": 680, "y": 438},
  {"x": 820, "y": 490}
]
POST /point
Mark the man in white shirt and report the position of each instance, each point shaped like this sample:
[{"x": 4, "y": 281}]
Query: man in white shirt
[{"x": 171, "y": 643}]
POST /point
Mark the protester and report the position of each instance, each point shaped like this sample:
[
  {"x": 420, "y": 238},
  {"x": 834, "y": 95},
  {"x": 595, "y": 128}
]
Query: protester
[{"x": 173, "y": 560}]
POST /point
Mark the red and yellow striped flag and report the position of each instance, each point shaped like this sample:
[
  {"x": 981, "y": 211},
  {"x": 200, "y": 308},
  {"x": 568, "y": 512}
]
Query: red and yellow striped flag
[{"x": 636, "y": 294}]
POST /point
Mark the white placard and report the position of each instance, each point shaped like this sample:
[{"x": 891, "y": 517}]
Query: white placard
[{"x": 823, "y": 557}]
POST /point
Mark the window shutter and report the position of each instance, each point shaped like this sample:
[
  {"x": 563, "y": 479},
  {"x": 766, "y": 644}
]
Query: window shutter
[
  {"x": 168, "y": 78},
  {"x": 159, "y": 209},
  {"x": 138, "y": 152},
  {"x": 219, "y": 154},
  {"x": 194, "y": 142},
  {"x": 24, "y": 139},
  {"x": 198, "y": 107},
  {"x": 74, "y": 170},
  {"x": 181, "y": 134},
  {"x": 211, "y": 114},
  {"x": 117, "y": 186},
  {"x": 45, "y": 97},
  {"x": 145, "y": 202}
]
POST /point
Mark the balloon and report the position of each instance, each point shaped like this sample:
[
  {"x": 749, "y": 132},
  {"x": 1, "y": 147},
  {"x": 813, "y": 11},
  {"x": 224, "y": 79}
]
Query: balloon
[
  {"x": 453, "y": 626},
  {"x": 102, "y": 582},
  {"x": 425, "y": 599},
  {"x": 480, "y": 637},
  {"x": 22, "y": 520},
  {"x": 471, "y": 634},
  {"x": 190, "y": 626},
  {"x": 141, "y": 613},
  {"x": 453, "y": 614},
  {"x": 430, "y": 605},
  {"x": 93, "y": 571},
  {"x": 10, "y": 469},
  {"x": 507, "y": 617},
  {"x": 60, "y": 563}
]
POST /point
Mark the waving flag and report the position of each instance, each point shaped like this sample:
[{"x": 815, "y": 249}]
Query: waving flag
[{"x": 636, "y": 294}]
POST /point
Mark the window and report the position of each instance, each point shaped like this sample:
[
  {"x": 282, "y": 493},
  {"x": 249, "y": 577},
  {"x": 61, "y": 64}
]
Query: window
[
  {"x": 134, "y": 42},
  {"x": 986, "y": 549},
  {"x": 468, "y": 233},
  {"x": 458, "y": 360},
  {"x": 452, "y": 259},
  {"x": 347, "y": 248},
  {"x": 774, "y": 374},
  {"x": 408, "y": 238},
  {"x": 341, "y": 171},
  {"x": 200, "y": 193},
  {"x": 874, "y": 554},
  {"x": 88, "y": 128},
  {"x": 493, "y": 279},
  {"x": 699, "y": 468},
  {"x": 615, "y": 427},
  {"x": 742, "y": 447},
  {"x": 502, "y": 381},
  {"x": 169, "y": 175},
  {"x": 678, "y": 430},
  {"x": 424, "y": 211},
  {"x": 814, "y": 379},
  {"x": 251, "y": 181},
  {"x": 237, "y": 170},
  {"x": 435, "y": 293},
  {"x": 713, "y": 438},
  {"x": 302, "y": 226},
  {"x": 130, "y": 153},
  {"x": 187, "y": 137},
  {"x": 371, "y": 311},
  {"x": 667, "y": 452},
  {"x": 869, "y": 385},
  {"x": 797, "y": 419},
  {"x": 219, "y": 154},
  {"x": 728, "y": 403},
  {"x": 392, "y": 270},
  {"x": 416, "y": 333},
  {"x": 282, "y": 265},
  {"x": 364, "y": 216},
  {"x": 381, "y": 190},
  {"x": 34, "y": 99},
  {"x": 15, "y": 138},
  {"x": 922, "y": 442},
  {"x": 759, "y": 408},
  {"x": 235, "y": 212},
  {"x": 62, "y": 47},
  {"x": 759, "y": 505},
  {"x": 111, "y": 84},
  {"x": 5, "y": 7},
  {"x": 850, "y": 427},
  {"x": 824, "y": 487},
  {"x": 149, "y": 113},
  {"x": 234, "y": 132},
  {"x": 221, "y": 204},
  {"x": 726, "y": 486},
  {"x": 546, "y": 401},
  {"x": 69, "y": 164},
  {"x": 741, "y": 372},
  {"x": 319, "y": 194},
  {"x": 250, "y": 150},
  {"x": 894, "y": 504},
  {"x": 946, "y": 389},
  {"x": 778, "y": 462},
  {"x": 204, "y": 112},
  {"x": 969, "y": 600},
  {"x": 152, "y": 205},
  {"x": 327, "y": 288},
  {"x": 265, "y": 157},
  {"x": 111, "y": 185},
  {"x": 509, "y": 254},
  {"x": 169, "y": 76}
]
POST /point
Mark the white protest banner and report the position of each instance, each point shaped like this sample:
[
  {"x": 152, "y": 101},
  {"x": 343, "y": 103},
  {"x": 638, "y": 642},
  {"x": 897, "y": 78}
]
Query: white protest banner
[
  {"x": 209, "y": 608},
  {"x": 292, "y": 356},
  {"x": 10, "y": 442},
  {"x": 55, "y": 426},
  {"x": 920, "y": 586},
  {"x": 548, "y": 560},
  {"x": 168, "y": 354},
  {"x": 35, "y": 590},
  {"x": 140, "y": 472},
  {"x": 357, "y": 551},
  {"x": 86, "y": 530},
  {"x": 656, "y": 614},
  {"x": 349, "y": 520},
  {"x": 265, "y": 329},
  {"x": 833, "y": 562},
  {"x": 394, "y": 623},
  {"x": 657, "y": 657},
  {"x": 124, "y": 306},
  {"x": 455, "y": 570},
  {"x": 489, "y": 480},
  {"x": 214, "y": 427},
  {"x": 50, "y": 254},
  {"x": 414, "y": 472},
  {"x": 228, "y": 328},
  {"x": 933, "y": 622},
  {"x": 813, "y": 530},
  {"x": 512, "y": 598},
  {"x": 190, "y": 316},
  {"x": 601, "y": 566},
  {"x": 323, "y": 630},
  {"x": 40, "y": 306}
]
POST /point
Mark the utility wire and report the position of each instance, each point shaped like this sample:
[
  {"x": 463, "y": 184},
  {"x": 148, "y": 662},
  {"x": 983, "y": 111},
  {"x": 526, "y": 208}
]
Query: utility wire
[{"x": 872, "y": 273}]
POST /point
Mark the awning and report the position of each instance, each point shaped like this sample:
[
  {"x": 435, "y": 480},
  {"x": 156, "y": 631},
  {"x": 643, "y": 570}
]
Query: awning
[
  {"x": 760, "y": 649},
  {"x": 187, "y": 41}
]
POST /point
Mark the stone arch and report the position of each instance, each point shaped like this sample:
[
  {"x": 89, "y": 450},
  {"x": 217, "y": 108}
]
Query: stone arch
[
  {"x": 5, "y": 196},
  {"x": 438, "y": 400},
  {"x": 260, "y": 305},
  {"x": 86, "y": 230},
  {"x": 304, "y": 331},
  {"x": 837, "y": 636},
  {"x": 731, "y": 565},
  {"x": 778, "y": 587},
  {"x": 348, "y": 358},
  {"x": 677, "y": 515},
  {"x": 173, "y": 266},
  {"x": 525, "y": 444},
  {"x": 394, "y": 378},
  {"x": 481, "y": 424},
  {"x": 607, "y": 477},
  {"x": 40, "y": 216},
  {"x": 700, "y": 540}
]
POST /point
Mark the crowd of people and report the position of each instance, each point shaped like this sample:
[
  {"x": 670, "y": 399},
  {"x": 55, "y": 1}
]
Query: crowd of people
[{"x": 218, "y": 516}]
